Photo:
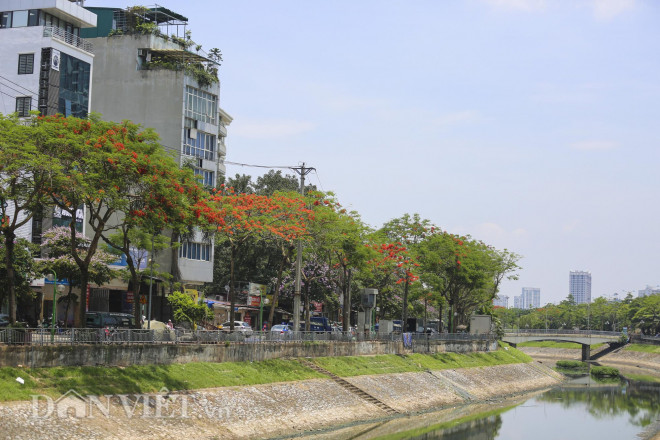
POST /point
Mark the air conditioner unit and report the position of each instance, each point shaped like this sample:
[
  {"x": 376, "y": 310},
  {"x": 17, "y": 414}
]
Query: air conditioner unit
[{"x": 192, "y": 133}]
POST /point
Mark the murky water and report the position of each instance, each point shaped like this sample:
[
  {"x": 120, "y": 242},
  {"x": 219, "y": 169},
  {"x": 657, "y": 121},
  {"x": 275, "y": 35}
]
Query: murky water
[{"x": 581, "y": 409}]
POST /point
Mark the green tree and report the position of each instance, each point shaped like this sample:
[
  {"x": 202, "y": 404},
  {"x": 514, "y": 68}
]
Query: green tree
[
  {"x": 185, "y": 309},
  {"x": 26, "y": 172}
]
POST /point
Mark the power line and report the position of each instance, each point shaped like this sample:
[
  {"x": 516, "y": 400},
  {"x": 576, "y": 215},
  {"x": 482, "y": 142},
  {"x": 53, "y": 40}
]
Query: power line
[
  {"x": 18, "y": 91},
  {"x": 24, "y": 88},
  {"x": 319, "y": 179},
  {"x": 258, "y": 166}
]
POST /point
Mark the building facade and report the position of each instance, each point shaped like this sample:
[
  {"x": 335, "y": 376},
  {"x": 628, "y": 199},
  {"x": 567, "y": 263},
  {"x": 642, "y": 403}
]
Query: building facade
[
  {"x": 579, "y": 286},
  {"x": 47, "y": 67},
  {"x": 501, "y": 301},
  {"x": 159, "y": 82},
  {"x": 648, "y": 291},
  {"x": 530, "y": 298}
]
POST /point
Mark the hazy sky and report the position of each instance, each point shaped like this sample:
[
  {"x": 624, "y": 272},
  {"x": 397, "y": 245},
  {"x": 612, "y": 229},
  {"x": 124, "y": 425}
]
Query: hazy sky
[{"x": 530, "y": 124}]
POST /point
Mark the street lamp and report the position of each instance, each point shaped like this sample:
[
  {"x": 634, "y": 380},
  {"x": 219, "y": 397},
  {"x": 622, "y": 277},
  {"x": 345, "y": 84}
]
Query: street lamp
[
  {"x": 151, "y": 280},
  {"x": 53, "y": 277},
  {"x": 261, "y": 309}
]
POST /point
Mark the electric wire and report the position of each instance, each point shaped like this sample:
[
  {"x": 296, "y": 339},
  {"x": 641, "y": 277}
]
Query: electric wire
[
  {"x": 24, "y": 88},
  {"x": 258, "y": 166}
]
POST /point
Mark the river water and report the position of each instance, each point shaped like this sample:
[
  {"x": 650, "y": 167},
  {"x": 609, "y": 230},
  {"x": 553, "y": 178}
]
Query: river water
[{"x": 580, "y": 409}]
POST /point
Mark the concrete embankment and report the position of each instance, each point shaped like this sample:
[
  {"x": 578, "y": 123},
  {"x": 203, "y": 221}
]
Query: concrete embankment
[
  {"x": 267, "y": 410},
  {"x": 620, "y": 357}
]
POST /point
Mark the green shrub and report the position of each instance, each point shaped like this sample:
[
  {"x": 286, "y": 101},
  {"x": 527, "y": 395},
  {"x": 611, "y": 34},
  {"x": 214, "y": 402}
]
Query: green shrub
[
  {"x": 604, "y": 372},
  {"x": 571, "y": 365}
]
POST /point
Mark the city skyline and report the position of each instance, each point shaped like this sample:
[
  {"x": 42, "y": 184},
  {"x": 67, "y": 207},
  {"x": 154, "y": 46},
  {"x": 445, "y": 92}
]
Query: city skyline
[{"x": 529, "y": 125}]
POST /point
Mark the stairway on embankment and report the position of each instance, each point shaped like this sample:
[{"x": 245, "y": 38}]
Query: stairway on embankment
[{"x": 350, "y": 387}]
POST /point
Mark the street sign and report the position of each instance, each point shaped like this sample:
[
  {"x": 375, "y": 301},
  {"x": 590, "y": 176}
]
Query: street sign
[{"x": 143, "y": 299}]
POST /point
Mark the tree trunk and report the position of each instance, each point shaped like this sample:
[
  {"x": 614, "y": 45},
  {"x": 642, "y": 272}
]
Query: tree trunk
[
  {"x": 404, "y": 312},
  {"x": 232, "y": 295},
  {"x": 286, "y": 255},
  {"x": 347, "y": 299},
  {"x": 9, "y": 265},
  {"x": 307, "y": 320}
]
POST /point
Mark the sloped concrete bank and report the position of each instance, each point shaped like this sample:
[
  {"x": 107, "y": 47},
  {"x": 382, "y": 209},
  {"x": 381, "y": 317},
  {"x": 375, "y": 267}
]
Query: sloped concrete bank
[
  {"x": 266, "y": 410},
  {"x": 618, "y": 358}
]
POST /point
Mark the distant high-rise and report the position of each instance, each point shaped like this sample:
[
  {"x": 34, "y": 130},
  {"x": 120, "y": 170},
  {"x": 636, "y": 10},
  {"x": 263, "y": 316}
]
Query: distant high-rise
[
  {"x": 579, "y": 285},
  {"x": 501, "y": 301},
  {"x": 530, "y": 298},
  {"x": 648, "y": 291}
]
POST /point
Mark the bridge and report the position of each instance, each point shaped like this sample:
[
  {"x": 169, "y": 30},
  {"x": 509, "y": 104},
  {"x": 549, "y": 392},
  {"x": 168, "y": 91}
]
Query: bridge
[{"x": 585, "y": 338}]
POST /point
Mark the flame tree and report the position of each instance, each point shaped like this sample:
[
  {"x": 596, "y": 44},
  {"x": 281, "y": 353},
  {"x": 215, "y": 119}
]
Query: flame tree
[{"x": 238, "y": 219}]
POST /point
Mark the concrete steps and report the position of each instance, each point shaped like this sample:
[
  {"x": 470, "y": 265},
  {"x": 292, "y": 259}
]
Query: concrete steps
[{"x": 350, "y": 387}]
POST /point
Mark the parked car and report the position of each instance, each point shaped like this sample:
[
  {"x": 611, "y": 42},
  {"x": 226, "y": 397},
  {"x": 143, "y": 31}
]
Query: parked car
[
  {"x": 280, "y": 331},
  {"x": 239, "y": 326},
  {"x": 4, "y": 320},
  {"x": 109, "y": 319}
]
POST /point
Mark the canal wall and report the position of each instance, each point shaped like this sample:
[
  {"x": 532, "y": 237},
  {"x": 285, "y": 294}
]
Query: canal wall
[
  {"x": 279, "y": 409},
  {"x": 35, "y": 356}
]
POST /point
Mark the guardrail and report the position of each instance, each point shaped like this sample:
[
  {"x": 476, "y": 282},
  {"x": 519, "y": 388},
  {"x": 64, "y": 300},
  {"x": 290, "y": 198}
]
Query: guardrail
[
  {"x": 561, "y": 332},
  {"x": 68, "y": 38},
  {"x": 74, "y": 336}
]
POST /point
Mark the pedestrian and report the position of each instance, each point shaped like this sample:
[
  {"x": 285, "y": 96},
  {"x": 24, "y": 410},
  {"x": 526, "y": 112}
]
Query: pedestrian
[
  {"x": 265, "y": 327},
  {"x": 170, "y": 325}
]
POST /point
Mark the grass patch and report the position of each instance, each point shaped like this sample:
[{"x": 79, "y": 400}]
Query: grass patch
[
  {"x": 604, "y": 372},
  {"x": 555, "y": 344},
  {"x": 145, "y": 379},
  {"x": 645, "y": 348},
  {"x": 362, "y": 365},
  {"x": 643, "y": 378},
  {"x": 572, "y": 365}
]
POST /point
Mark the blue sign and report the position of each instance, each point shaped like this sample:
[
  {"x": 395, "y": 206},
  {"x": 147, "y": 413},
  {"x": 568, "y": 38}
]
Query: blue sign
[{"x": 62, "y": 281}]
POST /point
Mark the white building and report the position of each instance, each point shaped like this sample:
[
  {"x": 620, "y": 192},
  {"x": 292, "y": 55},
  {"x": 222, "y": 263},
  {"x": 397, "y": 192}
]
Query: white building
[
  {"x": 156, "y": 81},
  {"x": 579, "y": 285},
  {"x": 501, "y": 301},
  {"x": 46, "y": 66},
  {"x": 648, "y": 291},
  {"x": 530, "y": 298}
]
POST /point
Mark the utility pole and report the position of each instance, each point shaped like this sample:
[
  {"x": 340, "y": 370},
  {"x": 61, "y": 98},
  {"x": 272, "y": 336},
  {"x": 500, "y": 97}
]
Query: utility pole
[{"x": 303, "y": 171}]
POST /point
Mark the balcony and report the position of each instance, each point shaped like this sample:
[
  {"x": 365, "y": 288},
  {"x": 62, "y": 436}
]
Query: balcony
[
  {"x": 68, "y": 38},
  {"x": 222, "y": 149},
  {"x": 222, "y": 130}
]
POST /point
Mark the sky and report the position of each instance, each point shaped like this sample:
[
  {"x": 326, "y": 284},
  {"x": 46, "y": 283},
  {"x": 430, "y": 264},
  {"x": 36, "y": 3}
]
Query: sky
[{"x": 529, "y": 124}]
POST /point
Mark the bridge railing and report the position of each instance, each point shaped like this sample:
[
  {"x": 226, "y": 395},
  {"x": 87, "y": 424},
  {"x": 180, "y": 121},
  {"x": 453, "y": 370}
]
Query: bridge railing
[{"x": 566, "y": 332}]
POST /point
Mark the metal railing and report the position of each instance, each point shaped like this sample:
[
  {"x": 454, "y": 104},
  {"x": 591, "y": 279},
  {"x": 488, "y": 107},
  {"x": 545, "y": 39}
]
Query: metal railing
[
  {"x": 76, "y": 336},
  {"x": 530, "y": 331},
  {"x": 68, "y": 38}
]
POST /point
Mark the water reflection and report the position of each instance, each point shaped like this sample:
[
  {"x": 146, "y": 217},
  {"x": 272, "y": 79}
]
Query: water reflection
[{"x": 581, "y": 409}]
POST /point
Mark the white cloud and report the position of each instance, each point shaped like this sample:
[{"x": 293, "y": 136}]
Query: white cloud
[
  {"x": 594, "y": 145},
  {"x": 608, "y": 9},
  {"x": 270, "y": 129},
  {"x": 455, "y": 118},
  {"x": 521, "y": 5}
]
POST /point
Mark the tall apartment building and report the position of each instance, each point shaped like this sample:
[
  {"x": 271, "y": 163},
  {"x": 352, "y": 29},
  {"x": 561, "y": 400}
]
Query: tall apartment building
[
  {"x": 155, "y": 80},
  {"x": 579, "y": 286},
  {"x": 648, "y": 291},
  {"x": 46, "y": 66},
  {"x": 530, "y": 298},
  {"x": 501, "y": 301}
]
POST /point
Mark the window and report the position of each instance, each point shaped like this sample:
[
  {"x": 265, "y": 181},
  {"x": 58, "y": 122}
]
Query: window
[
  {"x": 207, "y": 178},
  {"x": 26, "y": 64},
  {"x": 23, "y": 105},
  {"x": 33, "y": 17},
  {"x": 201, "y": 145},
  {"x": 20, "y": 19},
  {"x": 201, "y": 106},
  {"x": 195, "y": 251},
  {"x": 5, "y": 20}
]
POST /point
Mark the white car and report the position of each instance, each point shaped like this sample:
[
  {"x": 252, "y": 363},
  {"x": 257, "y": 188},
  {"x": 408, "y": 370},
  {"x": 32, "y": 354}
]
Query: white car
[{"x": 239, "y": 326}]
